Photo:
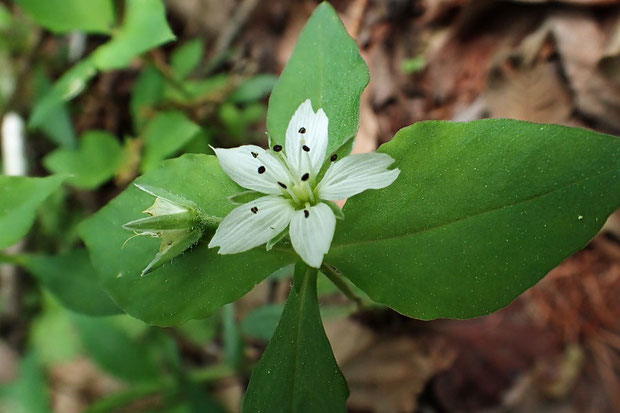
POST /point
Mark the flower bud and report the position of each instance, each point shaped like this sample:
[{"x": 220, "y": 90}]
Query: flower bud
[{"x": 173, "y": 219}]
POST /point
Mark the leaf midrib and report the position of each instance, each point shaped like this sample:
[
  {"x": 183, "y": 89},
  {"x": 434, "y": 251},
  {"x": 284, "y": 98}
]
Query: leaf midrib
[
  {"x": 301, "y": 298},
  {"x": 467, "y": 217}
]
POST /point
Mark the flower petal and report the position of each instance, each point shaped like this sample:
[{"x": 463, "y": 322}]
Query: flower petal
[
  {"x": 306, "y": 139},
  {"x": 355, "y": 174},
  {"x": 252, "y": 224},
  {"x": 312, "y": 230},
  {"x": 253, "y": 167}
]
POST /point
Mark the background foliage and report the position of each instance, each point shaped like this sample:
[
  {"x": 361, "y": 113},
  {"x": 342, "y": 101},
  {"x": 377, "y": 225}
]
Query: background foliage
[{"x": 105, "y": 103}]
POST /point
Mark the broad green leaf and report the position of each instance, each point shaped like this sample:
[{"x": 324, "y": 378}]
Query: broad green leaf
[
  {"x": 262, "y": 322},
  {"x": 92, "y": 164},
  {"x": 194, "y": 284},
  {"x": 298, "y": 372},
  {"x": 144, "y": 27},
  {"x": 480, "y": 212},
  {"x": 114, "y": 350},
  {"x": 28, "y": 393},
  {"x": 325, "y": 67},
  {"x": 187, "y": 57},
  {"x": 73, "y": 280},
  {"x": 57, "y": 124},
  {"x": 165, "y": 135},
  {"x": 71, "y": 84},
  {"x": 21, "y": 197},
  {"x": 253, "y": 89},
  {"x": 148, "y": 91},
  {"x": 63, "y": 16}
]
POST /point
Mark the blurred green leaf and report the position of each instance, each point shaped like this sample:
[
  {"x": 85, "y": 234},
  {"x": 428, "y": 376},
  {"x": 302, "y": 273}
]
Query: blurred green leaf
[
  {"x": 199, "y": 332},
  {"x": 414, "y": 65},
  {"x": 57, "y": 123},
  {"x": 238, "y": 120},
  {"x": 21, "y": 197},
  {"x": 114, "y": 350},
  {"x": 144, "y": 27},
  {"x": 253, "y": 89},
  {"x": 194, "y": 284},
  {"x": 53, "y": 335},
  {"x": 480, "y": 212},
  {"x": 187, "y": 57},
  {"x": 93, "y": 163},
  {"x": 28, "y": 394},
  {"x": 58, "y": 218},
  {"x": 165, "y": 135},
  {"x": 231, "y": 337},
  {"x": 325, "y": 67},
  {"x": 6, "y": 18},
  {"x": 199, "y": 90},
  {"x": 298, "y": 372},
  {"x": 62, "y": 16},
  {"x": 70, "y": 84},
  {"x": 262, "y": 322},
  {"x": 148, "y": 91},
  {"x": 73, "y": 280}
]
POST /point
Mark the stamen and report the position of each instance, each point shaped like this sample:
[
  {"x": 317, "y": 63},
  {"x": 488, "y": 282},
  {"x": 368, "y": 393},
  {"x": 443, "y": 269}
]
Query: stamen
[
  {"x": 281, "y": 184},
  {"x": 254, "y": 154},
  {"x": 334, "y": 157},
  {"x": 302, "y": 130},
  {"x": 305, "y": 148},
  {"x": 254, "y": 210},
  {"x": 309, "y": 191},
  {"x": 293, "y": 196},
  {"x": 277, "y": 148},
  {"x": 305, "y": 176},
  {"x": 306, "y": 213},
  {"x": 261, "y": 169}
]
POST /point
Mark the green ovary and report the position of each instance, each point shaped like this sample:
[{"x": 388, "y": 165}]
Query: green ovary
[{"x": 304, "y": 194}]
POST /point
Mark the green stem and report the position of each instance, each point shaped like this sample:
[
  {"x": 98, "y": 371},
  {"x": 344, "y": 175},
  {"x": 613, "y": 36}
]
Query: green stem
[
  {"x": 168, "y": 75},
  {"x": 211, "y": 373},
  {"x": 11, "y": 258},
  {"x": 335, "y": 277}
]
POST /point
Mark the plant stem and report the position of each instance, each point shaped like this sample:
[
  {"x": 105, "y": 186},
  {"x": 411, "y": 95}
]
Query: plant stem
[
  {"x": 211, "y": 373},
  {"x": 10, "y": 258},
  {"x": 335, "y": 277},
  {"x": 158, "y": 62}
]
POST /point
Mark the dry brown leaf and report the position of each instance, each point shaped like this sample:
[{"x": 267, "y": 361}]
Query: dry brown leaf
[
  {"x": 385, "y": 374},
  {"x": 595, "y": 95},
  {"x": 389, "y": 376},
  {"x": 533, "y": 94}
]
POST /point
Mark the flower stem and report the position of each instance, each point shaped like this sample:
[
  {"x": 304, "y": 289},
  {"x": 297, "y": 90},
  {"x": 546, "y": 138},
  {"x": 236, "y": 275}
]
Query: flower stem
[{"x": 335, "y": 277}]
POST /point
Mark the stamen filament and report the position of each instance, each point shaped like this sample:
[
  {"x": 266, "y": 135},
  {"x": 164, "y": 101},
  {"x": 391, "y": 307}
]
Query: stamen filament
[
  {"x": 310, "y": 191},
  {"x": 293, "y": 196}
]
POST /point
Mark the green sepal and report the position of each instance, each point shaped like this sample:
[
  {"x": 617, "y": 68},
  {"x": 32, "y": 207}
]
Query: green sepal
[
  {"x": 273, "y": 241},
  {"x": 335, "y": 209}
]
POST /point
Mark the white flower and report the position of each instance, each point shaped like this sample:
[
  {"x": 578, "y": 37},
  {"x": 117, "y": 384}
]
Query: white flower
[{"x": 297, "y": 194}]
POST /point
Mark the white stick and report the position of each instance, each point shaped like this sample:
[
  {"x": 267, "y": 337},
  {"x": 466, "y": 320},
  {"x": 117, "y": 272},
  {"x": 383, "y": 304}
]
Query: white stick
[
  {"x": 14, "y": 163},
  {"x": 13, "y": 148}
]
